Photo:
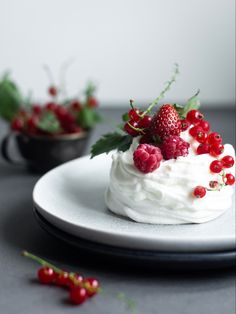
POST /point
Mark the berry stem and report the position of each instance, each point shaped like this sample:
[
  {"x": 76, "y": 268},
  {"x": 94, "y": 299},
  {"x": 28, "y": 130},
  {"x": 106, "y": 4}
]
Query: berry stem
[
  {"x": 136, "y": 129},
  {"x": 162, "y": 94},
  {"x": 41, "y": 261}
]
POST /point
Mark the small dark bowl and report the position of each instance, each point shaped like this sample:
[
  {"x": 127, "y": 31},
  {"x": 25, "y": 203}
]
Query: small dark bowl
[{"x": 42, "y": 153}]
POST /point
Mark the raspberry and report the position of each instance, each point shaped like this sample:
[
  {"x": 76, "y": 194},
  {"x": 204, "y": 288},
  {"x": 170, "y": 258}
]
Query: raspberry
[
  {"x": 173, "y": 147},
  {"x": 227, "y": 161},
  {"x": 147, "y": 158},
  {"x": 199, "y": 191},
  {"x": 166, "y": 122}
]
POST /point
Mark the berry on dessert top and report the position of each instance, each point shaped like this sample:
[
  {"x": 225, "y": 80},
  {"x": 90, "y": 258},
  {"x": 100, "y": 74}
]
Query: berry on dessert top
[{"x": 159, "y": 135}]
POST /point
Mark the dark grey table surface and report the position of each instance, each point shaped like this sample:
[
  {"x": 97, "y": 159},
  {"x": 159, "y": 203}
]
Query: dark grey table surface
[{"x": 159, "y": 292}]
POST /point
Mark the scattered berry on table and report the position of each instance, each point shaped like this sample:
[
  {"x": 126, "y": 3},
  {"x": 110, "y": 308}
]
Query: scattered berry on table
[
  {"x": 46, "y": 275},
  {"x": 147, "y": 158},
  {"x": 78, "y": 295},
  {"x": 92, "y": 286},
  {"x": 173, "y": 147}
]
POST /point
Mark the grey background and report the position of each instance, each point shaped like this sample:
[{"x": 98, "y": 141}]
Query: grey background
[{"x": 156, "y": 292}]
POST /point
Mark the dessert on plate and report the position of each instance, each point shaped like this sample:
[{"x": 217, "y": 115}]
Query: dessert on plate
[{"x": 169, "y": 167}]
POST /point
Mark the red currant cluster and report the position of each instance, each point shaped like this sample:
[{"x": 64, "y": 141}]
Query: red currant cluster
[
  {"x": 80, "y": 289},
  {"x": 65, "y": 116},
  {"x": 210, "y": 143},
  {"x": 138, "y": 123}
]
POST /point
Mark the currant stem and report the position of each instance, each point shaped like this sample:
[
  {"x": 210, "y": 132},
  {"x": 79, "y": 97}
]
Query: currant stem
[
  {"x": 136, "y": 129},
  {"x": 162, "y": 94},
  {"x": 41, "y": 261}
]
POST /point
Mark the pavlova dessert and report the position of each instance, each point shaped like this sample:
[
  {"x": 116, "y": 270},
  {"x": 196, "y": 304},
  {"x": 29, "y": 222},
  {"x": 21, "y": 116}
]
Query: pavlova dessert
[{"x": 169, "y": 167}]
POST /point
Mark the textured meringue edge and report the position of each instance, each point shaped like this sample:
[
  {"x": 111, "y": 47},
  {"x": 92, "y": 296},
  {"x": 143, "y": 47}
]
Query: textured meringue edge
[{"x": 148, "y": 198}]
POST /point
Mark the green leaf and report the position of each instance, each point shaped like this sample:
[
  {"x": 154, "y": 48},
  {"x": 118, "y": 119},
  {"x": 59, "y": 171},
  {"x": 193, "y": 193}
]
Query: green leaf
[
  {"x": 10, "y": 98},
  {"x": 49, "y": 123},
  {"x": 111, "y": 141},
  {"x": 192, "y": 103},
  {"x": 90, "y": 89},
  {"x": 88, "y": 117},
  {"x": 125, "y": 117}
]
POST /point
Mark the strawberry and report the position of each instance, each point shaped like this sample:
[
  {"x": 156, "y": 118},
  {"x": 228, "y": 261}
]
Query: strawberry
[{"x": 166, "y": 122}]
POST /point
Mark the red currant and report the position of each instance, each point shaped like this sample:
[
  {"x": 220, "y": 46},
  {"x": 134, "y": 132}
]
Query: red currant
[
  {"x": 32, "y": 123},
  {"x": 73, "y": 128},
  {"x": 61, "y": 112},
  {"x": 201, "y": 137},
  {"x": 193, "y": 131},
  {"x": 62, "y": 279},
  {"x": 199, "y": 191},
  {"x": 75, "y": 105},
  {"x": 92, "y": 102},
  {"x": 52, "y": 91},
  {"x": 213, "y": 184},
  {"x": 227, "y": 161},
  {"x": 51, "y": 106},
  {"x": 134, "y": 114},
  {"x": 205, "y": 125},
  {"x": 37, "y": 109},
  {"x": 17, "y": 124},
  {"x": 216, "y": 166},
  {"x": 214, "y": 138},
  {"x": 145, "y": 122},
  {"x": 203, "y": 149},
  {"x": 185, "y": 124},
  {"x": 194, "y": 116},
  {"x": 78, "y": 295},
  {"x": 229, "y": 179},
  {"x": 129, "y": 129},
  {"x": 216, "y": 149},
  {"x": 76, "y": 281},
  {"x": 46, "y": 275},
  {"x": 92, "y": 286}
]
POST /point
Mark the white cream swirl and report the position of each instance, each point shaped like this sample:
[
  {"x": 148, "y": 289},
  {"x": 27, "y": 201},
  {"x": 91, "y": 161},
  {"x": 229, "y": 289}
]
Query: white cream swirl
[{"x": 165, "y": 195}]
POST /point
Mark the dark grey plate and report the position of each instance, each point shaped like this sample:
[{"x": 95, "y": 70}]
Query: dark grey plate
[{"x": 153, "y": 259}]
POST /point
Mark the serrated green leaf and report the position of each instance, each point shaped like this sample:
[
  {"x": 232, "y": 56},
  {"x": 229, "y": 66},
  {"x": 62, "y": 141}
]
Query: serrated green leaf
[
  {"x": 49, "y": 123},
  {"x": 111, "y": 141},
  {"x": 125, "y": 117},
  {"x": 10, "y": 98}
]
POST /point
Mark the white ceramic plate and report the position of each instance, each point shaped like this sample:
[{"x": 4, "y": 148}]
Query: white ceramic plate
[{"x": 71, "y": 197}]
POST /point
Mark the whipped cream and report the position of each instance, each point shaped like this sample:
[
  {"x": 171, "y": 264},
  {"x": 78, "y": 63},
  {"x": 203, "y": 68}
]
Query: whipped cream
[{"x": 165, "y": 195}]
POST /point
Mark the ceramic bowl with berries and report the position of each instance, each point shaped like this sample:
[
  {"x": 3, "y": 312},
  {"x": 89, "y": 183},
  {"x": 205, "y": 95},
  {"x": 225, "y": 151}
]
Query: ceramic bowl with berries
[
  {"x": 170, "y": 167},
  {"x": 49, "y": 133}
]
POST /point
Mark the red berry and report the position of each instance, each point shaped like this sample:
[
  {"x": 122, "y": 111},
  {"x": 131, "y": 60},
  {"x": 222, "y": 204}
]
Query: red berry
[
  {"x": 92, "y": 102},
  {"x": 194, "y": 116},
  {"x": 185, "y": 124},
  {"x": 51, "y": 106},
  {"x": 227, "y": 161},
  {"x": 128, "y": 128},
  {"x": 216, "y": 166},
  {"x": 193, "y": 131},
  {"x": 61, "y": 112},
  {"x": 62, "y": 279},
  {"x": 46, "y": 275},
  {"x": 76, "y": 281},
  {"x": 147, "y": 158},
  {"x": 216, "y": 149},
  {"x": 229, "y": 179},
  {"x": 92, "y": 286},
  {"x": 17, "y": 124},
  {"x": 214, "y": 138},
  {"x": 213, "y": 184},
  {"x": 78, "y": 295},
  {"x": 37, "y": 109},
  {"x": 146, "y": 139},
  {"x": 203, "y": 149},
  {"x": 205, "y": 125},
  {"x": 52, "y": 91},
  {"x": 75, "y": 105},
  {"x": 145, "y": 122},
  {"x": 32, "y": 123},
  {"x": 134, "y": 114},
  {"x": 166, "y": 122},
  {"x": 199, "y": 191},
  {"x": 173, "y": 147},
  {"x": 201, "y": 137}
]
